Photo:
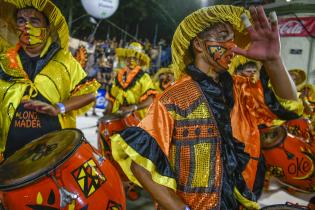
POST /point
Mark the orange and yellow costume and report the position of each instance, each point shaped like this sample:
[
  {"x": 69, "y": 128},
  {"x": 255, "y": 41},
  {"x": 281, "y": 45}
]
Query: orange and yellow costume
[
  {"x": 131, "y": 87},
  {"x": 251, "y": 110},
  {"x": 186, "y": 140}
]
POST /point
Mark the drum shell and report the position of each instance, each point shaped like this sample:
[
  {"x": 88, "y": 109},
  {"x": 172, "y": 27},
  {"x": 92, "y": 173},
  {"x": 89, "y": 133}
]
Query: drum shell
[
  {"x": 45, "y": 193},
  {"x": 292, "y": 162},
  {"x": 301, "y": 128},
  {"x": 108, "y": 127},
  {"x": 132, "y": 119}
]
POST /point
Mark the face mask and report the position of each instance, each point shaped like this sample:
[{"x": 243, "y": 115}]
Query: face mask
[
  {"x": 32, "y": 36},
  {"x": 133, "y": 63},
  {"x": 220, "y": 52},
  {"x": 165, "y": 84}
]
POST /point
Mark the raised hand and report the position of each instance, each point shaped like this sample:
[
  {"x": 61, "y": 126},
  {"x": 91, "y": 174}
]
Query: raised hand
[
  {"x": 264, "y": 35},
  {"x": 41, "y": 107}
]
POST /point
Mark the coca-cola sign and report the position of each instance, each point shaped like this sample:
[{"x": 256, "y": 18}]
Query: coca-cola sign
[{"x": 302, "y": 26}]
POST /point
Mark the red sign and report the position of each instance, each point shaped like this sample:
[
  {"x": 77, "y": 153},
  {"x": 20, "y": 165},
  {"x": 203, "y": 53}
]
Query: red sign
[{"x": 297, "y": 26}]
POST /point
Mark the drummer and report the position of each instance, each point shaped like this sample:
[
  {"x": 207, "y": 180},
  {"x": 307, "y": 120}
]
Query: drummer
[
  {"x": 306, "y": 93},
  {"x": 132, "y": 88},
  {"x": 163, "y": 78},
  {"x": 43, "y": 87},
  {"x": 248, "y": 89}
]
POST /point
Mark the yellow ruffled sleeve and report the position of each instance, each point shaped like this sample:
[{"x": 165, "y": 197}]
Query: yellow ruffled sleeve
[
  {"x": 290, "y": 105},
  {"x": 116, "y": 96},
  {"x": 80, "y": 85}
]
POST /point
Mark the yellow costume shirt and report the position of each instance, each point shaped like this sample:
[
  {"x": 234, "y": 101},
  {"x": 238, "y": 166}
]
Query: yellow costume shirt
[
  {"x": 132, "y": 88},
  {"x": 61, "y": 78}
]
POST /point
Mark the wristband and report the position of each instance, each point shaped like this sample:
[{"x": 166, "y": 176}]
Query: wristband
[{"x": 61, "y": 107}]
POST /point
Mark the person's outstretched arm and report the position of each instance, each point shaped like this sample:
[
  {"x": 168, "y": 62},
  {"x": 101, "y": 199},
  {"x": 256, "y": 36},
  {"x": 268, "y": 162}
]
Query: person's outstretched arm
[{"x": 73, "y": 103}]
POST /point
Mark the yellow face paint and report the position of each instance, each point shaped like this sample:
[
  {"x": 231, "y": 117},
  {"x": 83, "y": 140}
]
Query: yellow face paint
[
  {"x": 30, "y": 35},
  {"x": 132, "y": 62}
]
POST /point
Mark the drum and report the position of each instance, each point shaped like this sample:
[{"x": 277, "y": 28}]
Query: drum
[
  {"x": 60, "y": 170},
  {"x": 131, "y": 119},
  {"x": 301, "y": 128},
  {"x": 289, "y": 158},
  {"x": 111, "y": 124},
  {"x": 107, "y": 126}
]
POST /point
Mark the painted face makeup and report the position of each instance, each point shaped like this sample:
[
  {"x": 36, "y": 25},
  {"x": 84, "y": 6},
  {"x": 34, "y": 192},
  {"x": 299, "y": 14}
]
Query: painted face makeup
[
  {"x": 132, "y": 62},
  {"x": 217, "y": 43},
  {"x": 166, "y": 80},
  {"x": 220, "y": 52},
  {"x": 32, "y": 28},
  {"x": 31, "y": 36}
]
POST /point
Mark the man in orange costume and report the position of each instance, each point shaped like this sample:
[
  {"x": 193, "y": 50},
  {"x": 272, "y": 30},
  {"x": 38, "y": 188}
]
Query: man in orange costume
[{"x": 183, "y": 152}]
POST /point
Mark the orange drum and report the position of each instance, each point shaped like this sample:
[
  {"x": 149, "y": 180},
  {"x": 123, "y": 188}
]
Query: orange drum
[
  {"x": 301, "y": 128},
  {"x": 111, "y": 124},
  {"x": 62, "y": 171},
  {"x": 131, "y": 119},
  {"x": 107, "y": 126},
  {"x": 289, "y": 158}
]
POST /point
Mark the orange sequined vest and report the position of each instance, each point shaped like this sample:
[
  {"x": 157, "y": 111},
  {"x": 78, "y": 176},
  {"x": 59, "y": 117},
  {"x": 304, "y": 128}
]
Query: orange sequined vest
[{"x": 195, "y": 154}]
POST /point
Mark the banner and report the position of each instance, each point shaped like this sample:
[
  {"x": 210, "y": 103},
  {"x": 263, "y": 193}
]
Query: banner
[
  {"x": 101, "y": 101},
  {"x": 297, "y": 26}
]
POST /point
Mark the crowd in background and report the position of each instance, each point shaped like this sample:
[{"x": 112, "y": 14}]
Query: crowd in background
[
  {"x": 98, "y": 58},
  {"x": 102, "y": 62}
]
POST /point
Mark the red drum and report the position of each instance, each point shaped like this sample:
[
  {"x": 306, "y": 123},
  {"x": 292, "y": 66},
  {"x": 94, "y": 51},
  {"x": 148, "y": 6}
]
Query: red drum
[
  {"x": 111, "y": 124},
  {"x": 289, "y": 158},
  {"x": 62, "y": 171},
  {"x": 131, "y": 119},
  {"x": 301, "y": 128}
]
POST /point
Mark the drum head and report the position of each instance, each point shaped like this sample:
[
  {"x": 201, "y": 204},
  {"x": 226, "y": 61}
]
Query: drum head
[
  {"x": 272, "y": 137},
  {"x": 39, "y": 158},
  {"x": 110, "y": 117}
]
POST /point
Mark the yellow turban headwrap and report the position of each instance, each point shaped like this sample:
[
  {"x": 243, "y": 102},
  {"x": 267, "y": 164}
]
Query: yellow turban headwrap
[
  {"x": 197, "y": 22},
  {"x": 57, "y": 22}
]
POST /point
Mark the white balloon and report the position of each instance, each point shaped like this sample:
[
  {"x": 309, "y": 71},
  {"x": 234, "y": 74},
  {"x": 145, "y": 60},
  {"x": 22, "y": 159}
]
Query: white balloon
[{"x": 100, "y": 9}]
